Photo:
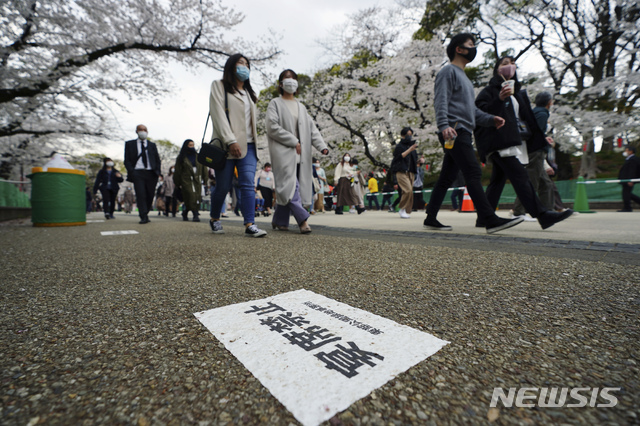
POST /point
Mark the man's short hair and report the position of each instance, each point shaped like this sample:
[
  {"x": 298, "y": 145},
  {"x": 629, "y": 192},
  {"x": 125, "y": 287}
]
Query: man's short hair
[
  {"x": 543, "y": 98},
  {"x": 405, "y": 130},
  {"x": 631, "y": 148},
  {"x": 458, "y": 40}
]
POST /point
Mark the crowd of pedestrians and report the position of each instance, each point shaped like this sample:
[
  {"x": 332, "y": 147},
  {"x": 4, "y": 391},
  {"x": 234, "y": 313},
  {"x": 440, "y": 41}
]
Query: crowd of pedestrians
[{"x": 509, "y": 134}]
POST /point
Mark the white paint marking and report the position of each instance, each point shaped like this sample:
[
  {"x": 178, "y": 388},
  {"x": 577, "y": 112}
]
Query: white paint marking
[{"x": 118, "y": 232}]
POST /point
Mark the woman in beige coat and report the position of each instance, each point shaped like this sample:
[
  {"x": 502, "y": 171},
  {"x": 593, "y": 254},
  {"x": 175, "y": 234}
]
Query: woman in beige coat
[
  {"x": 291, "y": 134},
  {"x": 236, "y": 128}
]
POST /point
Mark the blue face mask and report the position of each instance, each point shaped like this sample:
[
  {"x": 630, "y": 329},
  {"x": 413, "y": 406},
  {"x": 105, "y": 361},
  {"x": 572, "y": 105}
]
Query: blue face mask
[{"x": 242, "y": 73}]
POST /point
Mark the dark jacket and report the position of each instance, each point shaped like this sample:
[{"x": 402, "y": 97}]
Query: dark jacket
[
  {"x": 406, "y": 164},
  {"x": 103, "y": 178},
  {"x": 131, "y": 157},
  {"x": 542, "y": 117},
  {"x": 631, "y": 168},
  {"x": 490, "y": 139}
]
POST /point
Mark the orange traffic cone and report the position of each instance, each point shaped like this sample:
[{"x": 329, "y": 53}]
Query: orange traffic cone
[{"x": 467, "y": 204}]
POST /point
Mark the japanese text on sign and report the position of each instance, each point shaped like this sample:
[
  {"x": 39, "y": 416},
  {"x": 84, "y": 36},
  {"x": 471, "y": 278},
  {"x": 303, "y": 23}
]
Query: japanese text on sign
[{"x": 345, "y": 359}]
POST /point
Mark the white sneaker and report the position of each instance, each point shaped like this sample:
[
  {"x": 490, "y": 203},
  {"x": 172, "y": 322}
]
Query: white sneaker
[
  {"x": 525, "y": 217},
  {"x": 352, "y": 211},
  {"x": 254, "y": 231},
  {"x": 403, "y": 214}
]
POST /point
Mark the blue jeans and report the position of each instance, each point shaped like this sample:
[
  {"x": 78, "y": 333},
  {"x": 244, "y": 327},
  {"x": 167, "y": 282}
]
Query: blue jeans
[{"x": 246, "y": 175}]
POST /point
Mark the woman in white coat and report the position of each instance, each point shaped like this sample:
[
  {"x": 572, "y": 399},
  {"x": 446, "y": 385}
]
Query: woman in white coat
[
  {"x": 236, "y": 128},
  {"x": 291, "y": 133}
]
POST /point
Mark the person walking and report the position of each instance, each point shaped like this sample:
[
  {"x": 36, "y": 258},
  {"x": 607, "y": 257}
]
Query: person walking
[
  {"x": 107, "y": 181},
  {"x": 170, "y": 202},
  {"x": 264, "y": 184},
  {"x": 358, "y": 184},
  {"x": 189, "y": 176},
  {"x": 418, "y": 186},
  {"x": 233, "y": 113},
  {"x": 507, "y": 148},
  {"x": 128, "y": 200},
  {"x": 323, "y": 186},
  {"x": 342, "y": 177},
  {"x": 372, "y": 184},
  {"x": 544, "y": 101},
  {"x": 143, "y": 163},
  {"x": 387, "y": 192},
  {"x": 630, "y": 170},
  {"x": 291, "y": 133},
  {"x": 404, "y": 164},
  {"x": 456, "y": 117}
]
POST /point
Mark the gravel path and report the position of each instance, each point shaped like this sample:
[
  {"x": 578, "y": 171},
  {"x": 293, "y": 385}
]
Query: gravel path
[{"x": 100, "y": 329}]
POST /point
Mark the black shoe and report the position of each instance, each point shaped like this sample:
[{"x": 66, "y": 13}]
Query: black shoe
[
  {"x": 480, "y": 224},
  {"x": 339, "y": 211},
  {"x": 550, "y": 218},
  {"x": 625, "y": 210},
  {"x": 111, "y": 216},
  {"x": 144, "y": 220},
  {"x": 185, "y": 218},
  {"x": 501, "y": 223},
  {"x": 434, "y": 225},
  {"x": 196, "y": 219},
  {"x": 107, "y": 217},
  {"x": 360, "y": 210}
]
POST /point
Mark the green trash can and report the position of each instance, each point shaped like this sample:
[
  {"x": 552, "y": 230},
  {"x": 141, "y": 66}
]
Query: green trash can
[{"x": 58, "y": 197}]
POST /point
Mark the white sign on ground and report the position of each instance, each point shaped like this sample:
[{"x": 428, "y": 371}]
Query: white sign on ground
[
  {"x": 118, "y": 232},
  {"x": 317, "y": 356}
]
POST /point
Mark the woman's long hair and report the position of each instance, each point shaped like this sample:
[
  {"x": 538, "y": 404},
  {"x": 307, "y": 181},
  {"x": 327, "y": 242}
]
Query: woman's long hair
[
  {"x": 183, "y": 151},
  {"x": 229, "y": 78}
]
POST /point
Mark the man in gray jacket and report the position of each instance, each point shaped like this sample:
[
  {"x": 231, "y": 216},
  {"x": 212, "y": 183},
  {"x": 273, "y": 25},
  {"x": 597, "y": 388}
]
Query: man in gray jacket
[{"x": 456, "y": 116}]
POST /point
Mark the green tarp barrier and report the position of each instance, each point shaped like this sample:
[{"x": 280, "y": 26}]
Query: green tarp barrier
[
  {"x": 10, "y": 196},
  {"x": 58, "y": 199}
]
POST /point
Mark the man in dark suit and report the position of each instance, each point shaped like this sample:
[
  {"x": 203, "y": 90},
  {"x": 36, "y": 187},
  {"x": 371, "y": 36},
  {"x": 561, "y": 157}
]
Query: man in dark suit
[
  {"x": 630, "y": 170},
  {"x": 143, "y": 168}
]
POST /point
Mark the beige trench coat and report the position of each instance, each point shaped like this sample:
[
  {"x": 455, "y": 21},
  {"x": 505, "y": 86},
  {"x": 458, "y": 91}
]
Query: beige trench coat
[
  {"x": 237, "y": 130},
  {"x": 282, "y": 149}
]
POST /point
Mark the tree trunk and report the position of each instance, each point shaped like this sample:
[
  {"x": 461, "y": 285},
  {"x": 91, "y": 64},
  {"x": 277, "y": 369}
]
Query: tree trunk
[
  {"x": 588, "y": 167},
  {"x": 608, "y": 143}
]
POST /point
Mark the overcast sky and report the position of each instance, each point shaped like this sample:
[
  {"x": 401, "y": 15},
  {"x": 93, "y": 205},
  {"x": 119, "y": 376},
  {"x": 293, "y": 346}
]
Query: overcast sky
[{"x": 182, "y": 115}]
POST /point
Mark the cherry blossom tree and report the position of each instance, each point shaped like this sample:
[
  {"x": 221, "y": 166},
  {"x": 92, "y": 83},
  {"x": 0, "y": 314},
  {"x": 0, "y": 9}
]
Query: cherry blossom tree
[{"x": 63, "y": 63}]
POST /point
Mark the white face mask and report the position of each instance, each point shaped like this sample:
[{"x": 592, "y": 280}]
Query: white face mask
[
  {"x": 142, "y": 135},
  {"x": 289, "y": 85},
  {"x": 316, "y": 165},
  {"x": 625, "y": 154},
  {"x": 109, "y": 163},
  {"x": 347, "y": 159}
]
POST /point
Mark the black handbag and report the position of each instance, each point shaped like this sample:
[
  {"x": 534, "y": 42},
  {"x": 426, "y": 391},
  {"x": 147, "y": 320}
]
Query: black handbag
[
  {"x": 523, "y": 128},
  {"x": 213, "y": 154}
]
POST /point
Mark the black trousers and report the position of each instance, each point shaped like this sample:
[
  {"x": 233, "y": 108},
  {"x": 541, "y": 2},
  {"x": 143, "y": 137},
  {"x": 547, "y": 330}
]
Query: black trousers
[
  {"x": 461, "y": 157},
  {"x": 373, "y": 198},
  {"x": 511, "y": 168},
  {"x": 628, "y": 196},
  {"x": 144, "y": 183},
  {"x": 170, "y": 205},
  {"x": 108, "y": 201}
]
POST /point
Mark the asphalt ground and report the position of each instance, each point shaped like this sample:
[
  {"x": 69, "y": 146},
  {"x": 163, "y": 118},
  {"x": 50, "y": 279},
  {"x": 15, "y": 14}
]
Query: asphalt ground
[{"x": 100, "y": 329}]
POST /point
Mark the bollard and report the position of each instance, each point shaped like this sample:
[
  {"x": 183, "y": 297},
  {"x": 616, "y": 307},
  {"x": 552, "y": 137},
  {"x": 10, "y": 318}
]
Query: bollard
[{"x": 581, "y": 202}]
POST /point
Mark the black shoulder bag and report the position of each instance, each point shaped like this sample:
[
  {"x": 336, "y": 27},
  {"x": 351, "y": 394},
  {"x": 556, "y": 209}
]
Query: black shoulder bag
[{"x": 213, "y": 154}]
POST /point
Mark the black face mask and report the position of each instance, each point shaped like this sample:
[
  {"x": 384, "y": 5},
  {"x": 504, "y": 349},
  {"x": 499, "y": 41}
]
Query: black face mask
[
  {"x": 471, "y": 53},
  {"x": 191, "y": 150}
]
